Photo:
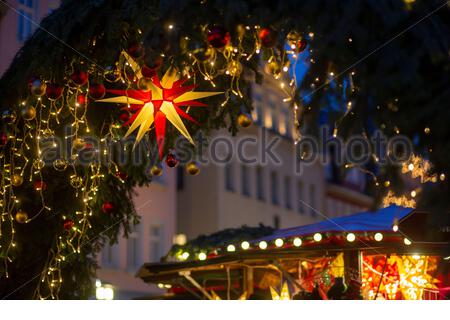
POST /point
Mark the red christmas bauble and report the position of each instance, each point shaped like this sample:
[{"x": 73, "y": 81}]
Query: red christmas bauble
[
  {"x": 68, "y": 224},
  {"x": 218, "y": 37},
  {"x": 97, "y": 91},
  {"x": 54, "y": 91},
  {"x": 124, "y": 117},
  {"x": 172, "y": 160},
  {"x": 107, "y": 207},
  {"x": 136, "y": 50},
  {"x": 268, "y": 37},
  {"x": 121, "y": 175},
  {"x": 300, "y": 45},
  {"x": 82, "y": 99},
  {"x": 39, "y": 185},
  {"x": 79, "y": 77},
  {"x": 3, "y": 139},
  {"x": 148, "y": 72}
]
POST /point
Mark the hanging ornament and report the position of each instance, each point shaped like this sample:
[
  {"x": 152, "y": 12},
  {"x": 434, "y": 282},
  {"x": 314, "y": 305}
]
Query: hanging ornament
[
  {"x": 156, "y": 171},
  {"x": 38, "y": 87},
  {"x": 9, "y": 117},
  {"x": 192, "y": 168},
  {"x": 38, "y": 164},
  {"x": 76, "y": 181},
  {"x": 234, "y": 68},
  {"x": 121, "y": 175},
  {"x": 60, "y": 165},
  {"x": 272, "y": 68},
  {"x": 16, "y": 180},
  {"x": 82, "y": 99},
  {"x": 97, "y": 91},
  {"x": 107, "y": 207},
  {"x": 79, "y": 77},
  {"x": 136, "y": 50},
  {"x": 78, "y": 144},
  {"x": 3, "y": 139},
  {"x": 245, "y": 120},
  {"x": 296, "y": 42},
  {"x": 54, "y": 91},
  {"x": 218, "y": 37},
  {"x": 268, "y": 37},
  {"x": 40, "y": 185},
  {"x": 112, "y": 74},
  {"x": 160, "y": 104},
  {"x": 21, "y": 216},
  {"x": 68, "y": 224},
  {"x": 29, "y": 113},
  {"x": 172, "y": 160}
]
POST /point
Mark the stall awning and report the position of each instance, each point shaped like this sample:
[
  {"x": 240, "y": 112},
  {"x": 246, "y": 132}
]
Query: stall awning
[{"x": 370, "y": 221}]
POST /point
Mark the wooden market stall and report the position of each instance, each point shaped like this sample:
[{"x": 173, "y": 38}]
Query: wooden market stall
[{"x": 391, "y": 253}]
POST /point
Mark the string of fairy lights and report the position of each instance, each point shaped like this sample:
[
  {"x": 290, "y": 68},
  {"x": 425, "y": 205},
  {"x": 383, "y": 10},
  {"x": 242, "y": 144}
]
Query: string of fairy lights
[{"x": 318, "y": 238}]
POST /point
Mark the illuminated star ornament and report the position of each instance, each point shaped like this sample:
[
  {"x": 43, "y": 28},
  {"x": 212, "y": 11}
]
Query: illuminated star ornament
[{"x": 162, "y": 102}]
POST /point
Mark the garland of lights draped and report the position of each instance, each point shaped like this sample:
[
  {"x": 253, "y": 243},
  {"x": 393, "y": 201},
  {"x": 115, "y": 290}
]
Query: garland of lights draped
[{"x": 123, "y": 66}]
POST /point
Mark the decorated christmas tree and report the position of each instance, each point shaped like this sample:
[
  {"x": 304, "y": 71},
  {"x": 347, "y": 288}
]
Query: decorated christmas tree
[{"x": 97, "y": 72}]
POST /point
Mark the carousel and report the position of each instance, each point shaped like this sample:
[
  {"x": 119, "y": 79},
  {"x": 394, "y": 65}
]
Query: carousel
[{"x": 393, "y": 253}]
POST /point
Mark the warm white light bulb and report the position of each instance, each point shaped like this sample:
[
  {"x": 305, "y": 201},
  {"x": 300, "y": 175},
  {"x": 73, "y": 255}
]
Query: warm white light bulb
[
  {"x": 407, "y": 241},
  {"x": 297, "y": 242},
  {"x": 317, "y": 237},
  {"x": 279, "y": 242},
  {"x": 245, "y": 245},
  {"x": 202, "y": 256},
  {"x": 231, "y": 248},
  {"x": 351, "y": 237},
  {"x": 378, "y": 236},
  {"x": 263, "y": 245}
]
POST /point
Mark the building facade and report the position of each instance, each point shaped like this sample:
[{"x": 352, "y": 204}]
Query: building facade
[
  {"x": 279, "y": 194},
  {"x": 18, "y": 21}
]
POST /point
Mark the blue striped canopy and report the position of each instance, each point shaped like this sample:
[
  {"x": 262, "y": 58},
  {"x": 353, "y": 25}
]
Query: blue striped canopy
[{"x": 380, "y": 220}]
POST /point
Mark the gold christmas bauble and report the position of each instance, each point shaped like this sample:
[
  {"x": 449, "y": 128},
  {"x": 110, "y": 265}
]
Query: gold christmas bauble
[
  {"x": 234, "y": 68},
  {"x": 38, "y": 87},
  {"x": 145, "y": 84},
  {"x": 192, "y": 168},
  {"x": 78, "y": 144},
  {"x": 245, "y": 120},
  {"x": 21, "y": 216},
  {"x": 60, "y": 164},
  {"x": 156, "y": 171},
  {"x": 38, "y": 164},
  {"x": 29, "y": 113},
  {"x": 272, "y": 68},
  {"x": 76, "y": 181},
  {"x": 16, "y": 180}
]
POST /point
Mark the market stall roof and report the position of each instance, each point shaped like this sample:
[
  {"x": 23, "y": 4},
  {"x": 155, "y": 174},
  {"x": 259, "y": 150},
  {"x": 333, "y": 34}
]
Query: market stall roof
[{"x": 379, "y": 220}]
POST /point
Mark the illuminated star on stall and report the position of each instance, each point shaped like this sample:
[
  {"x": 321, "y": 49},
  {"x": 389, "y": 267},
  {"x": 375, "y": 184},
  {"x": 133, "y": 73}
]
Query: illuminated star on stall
[{"x": 159, "y": 104}]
